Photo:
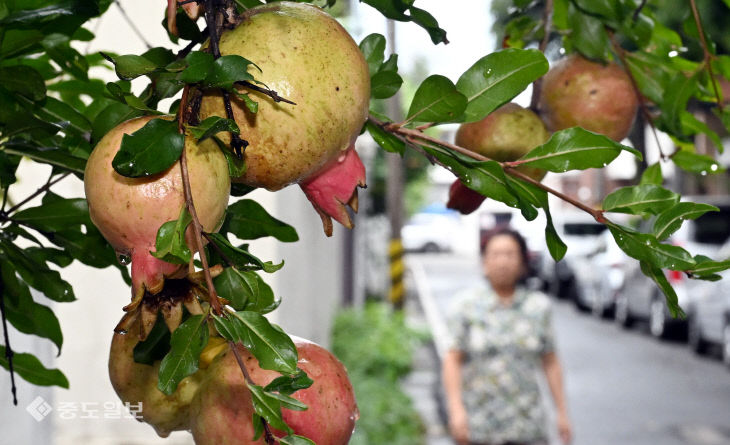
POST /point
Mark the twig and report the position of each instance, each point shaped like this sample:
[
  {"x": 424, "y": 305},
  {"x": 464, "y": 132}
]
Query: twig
[
  {"x": 218, "y": 249},
  {"x": 635, "y": 16},
  {"x": 271, "y": 93},
  {"x": 640, "y": 97},
  {"x": 509, "y": 167},
  {"x": 131, "y": 24},
  {"x": 5, "y": 200},
  {"x": 548, "y": 20},
  {"x": 267, "y": 431},
  {"x": 706, "y": 51},
  {"x": 50, "y": 183},
  {"x": 8, "y": 350},
  {"x": 238, "y": 144}
]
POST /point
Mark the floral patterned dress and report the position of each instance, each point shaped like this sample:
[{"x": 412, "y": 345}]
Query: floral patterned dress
[{"x": 502, "y": 348}]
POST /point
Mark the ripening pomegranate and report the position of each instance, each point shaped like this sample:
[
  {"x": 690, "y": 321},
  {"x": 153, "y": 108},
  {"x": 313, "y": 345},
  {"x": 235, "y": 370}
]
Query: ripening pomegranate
[
  {"x": 307, "y": 57},
  {"x": 129, "y": 211},
  {"x": 506, "y": 134},
  {"x": 599, "y": 98},
  {"x": 221, "y": 412}
]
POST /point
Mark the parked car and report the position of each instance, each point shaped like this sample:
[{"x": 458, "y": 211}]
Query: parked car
[
  {"x": 602, "y": 277},
  {"x": 430, "y": 231},
  {"x": 641, "y": 299},
  {"x": 709, "y": 313},
  {"x": 564, "y": 278}
]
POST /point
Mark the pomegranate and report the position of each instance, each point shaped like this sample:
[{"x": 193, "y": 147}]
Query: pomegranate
[
  {"x": 137, "y": 382},
  {"x": 307, "y": 57},
  {"x": 129, "y": 211},
  {"x": 599, "y": 98},
  {"x": 506, "y": 134},
  {"x": 221, "y": 412}
]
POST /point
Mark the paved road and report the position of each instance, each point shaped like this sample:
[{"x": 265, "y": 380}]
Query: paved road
[{"x": 623, "y": 387}]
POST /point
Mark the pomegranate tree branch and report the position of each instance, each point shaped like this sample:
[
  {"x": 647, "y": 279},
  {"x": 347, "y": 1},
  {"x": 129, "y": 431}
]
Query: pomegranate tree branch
[
  {"x": 183, "y": 116},
  {"x": 621, "y": 53},
  {"x": 267, "y": 431},
  {"x": 414, "y": 135},
  {"x": 706, "y": 51},
  {"x": 271, "y": 93},
  {"x": 50, "y": 183},
  {"x": 211, "y": 19},
  {"x": 547, "y": 18},
  {"x": 8, "y": 350}
]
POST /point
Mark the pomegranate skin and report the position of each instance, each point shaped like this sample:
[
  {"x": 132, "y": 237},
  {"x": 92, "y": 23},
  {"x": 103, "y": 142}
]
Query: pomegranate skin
[
  {"x": 506, "y": 134},
  {"x": 599, "y": 98},
  {"x": 137, "y": 383},
  {"x": 221, "y": 411},
  {"x": 129, "y": 211}
]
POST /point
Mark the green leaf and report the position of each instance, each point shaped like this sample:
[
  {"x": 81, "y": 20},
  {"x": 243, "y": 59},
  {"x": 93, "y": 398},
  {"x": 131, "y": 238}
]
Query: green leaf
[
  {"x": 647, "y": 248},
  {"x": 54, "y": 157},
  {"x": 640, "y": 199},
  {"x": 652, "y": 175},
  {"x": 671, "y": 219},
  {"x": 295, "y": 440},
  {"x": 32, "y": 370},
  {"x": 113, "y": 115},
  {"x": 150, "y": 150},
  {"x": 268, "y": 407},
  {"x": 555, "y": 244},
  {"x": 497, "y": 78},
  {"x": 212, "y": 126},
  {"x": 387, "y": 140},
  {"x": 131, "y": 66},
  {"x": 707, "y": 267},
  {"x": 48, "y": 254},
  {"x": 245, "y": 290},
  {"x": 36, "y": 274},
  {"x": 23, "y": 80},
  {"x": 36, "y": 17},
  {"x": 186, "y": 344},
  {"x": 60, "y": 114},
  {"x": 242, "y": 259},
  {"x": 228, "y": 70},
  {"x": 373, "y": 49},
  {"x": 170, "y": 244},
  {"x": 247, "y": 219},
  {"x": 58, "y": 48},
  {"x": 23, "y": 313},
  {"x": 289, "y": 384},
  {"x": 429, "y": 23},
  {"x": 236, "y": 166},
  {"x": 588, "y": 35},
  {"x": 155, "y": 346},
  {"x": 200, "y": 65},
  {"x": 391, "y": 64},
  {"x": 575, "y": 149},
  {"x": 385, "y": 84},
  {"x": 268, "y": 343},
  {"x": 660, "y": 279},
  {"x": 251, "y": 104},
  {"x": 696, "y": 163},
  {"x": 691, "y": 125},
  {"x": 676, "y": 96},
  {"x": 55, "y": 216},
  {"x": 436, "y": 100}
]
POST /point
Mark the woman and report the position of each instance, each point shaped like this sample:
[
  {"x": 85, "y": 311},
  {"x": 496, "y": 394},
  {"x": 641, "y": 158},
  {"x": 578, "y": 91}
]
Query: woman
[{"x": 501, "y": 336}]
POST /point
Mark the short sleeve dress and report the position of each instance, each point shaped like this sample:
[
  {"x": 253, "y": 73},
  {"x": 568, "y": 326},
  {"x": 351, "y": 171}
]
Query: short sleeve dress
[{"x": 502, "y": 348}]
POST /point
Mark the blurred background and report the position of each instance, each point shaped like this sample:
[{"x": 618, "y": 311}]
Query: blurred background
[{"x": 633, "y": 374}]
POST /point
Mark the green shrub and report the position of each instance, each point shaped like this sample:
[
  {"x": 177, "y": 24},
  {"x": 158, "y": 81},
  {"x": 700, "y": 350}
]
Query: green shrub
[{"x": 377, "y": 348}]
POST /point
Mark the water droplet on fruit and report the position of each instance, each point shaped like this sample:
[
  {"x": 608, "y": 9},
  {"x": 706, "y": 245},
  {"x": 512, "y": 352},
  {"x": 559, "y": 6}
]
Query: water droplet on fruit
[{"x": 123, "y": 258}]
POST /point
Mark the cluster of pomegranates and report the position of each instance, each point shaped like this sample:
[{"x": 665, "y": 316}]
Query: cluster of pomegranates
[
  {"x": 575, "y": 92},
  {"x": 306, "y": 56}
]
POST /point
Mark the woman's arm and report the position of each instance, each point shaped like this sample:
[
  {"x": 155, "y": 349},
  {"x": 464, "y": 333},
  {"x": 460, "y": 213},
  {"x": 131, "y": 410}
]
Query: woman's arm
[
  {"x": 554, "y": 374},
  {"x": 452, "y": 384}
]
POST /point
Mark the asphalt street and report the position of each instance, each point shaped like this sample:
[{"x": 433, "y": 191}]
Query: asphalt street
[{"x": 623, "y": 387}]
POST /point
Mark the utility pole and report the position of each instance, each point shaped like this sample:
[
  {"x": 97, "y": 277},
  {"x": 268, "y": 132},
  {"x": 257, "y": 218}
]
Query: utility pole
[{"x": 394, "y": 198}]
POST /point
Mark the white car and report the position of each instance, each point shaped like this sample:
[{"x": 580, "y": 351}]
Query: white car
[{"x": 430, "y": 232}]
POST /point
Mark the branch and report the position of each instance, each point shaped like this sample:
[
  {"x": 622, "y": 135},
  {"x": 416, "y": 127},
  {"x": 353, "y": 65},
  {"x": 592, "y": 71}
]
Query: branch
[
  {"x": 509, "y": 168},
  {"x": 621, "y": 53},
  {"x": 706, "y": 51},
  {"x": 548, "y": 21},
  {"x": 267, "y": 431},
  {"x": 8, "y": 350},
  {"x": 271, "y": 93},
  {"x": 635, "y": 17},
  {"x": 238, "y": 144},
  {"x": 50, "y": 183}
]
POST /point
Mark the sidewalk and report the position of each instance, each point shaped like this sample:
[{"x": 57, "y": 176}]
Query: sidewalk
[{"x": 423, "y": 384}]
